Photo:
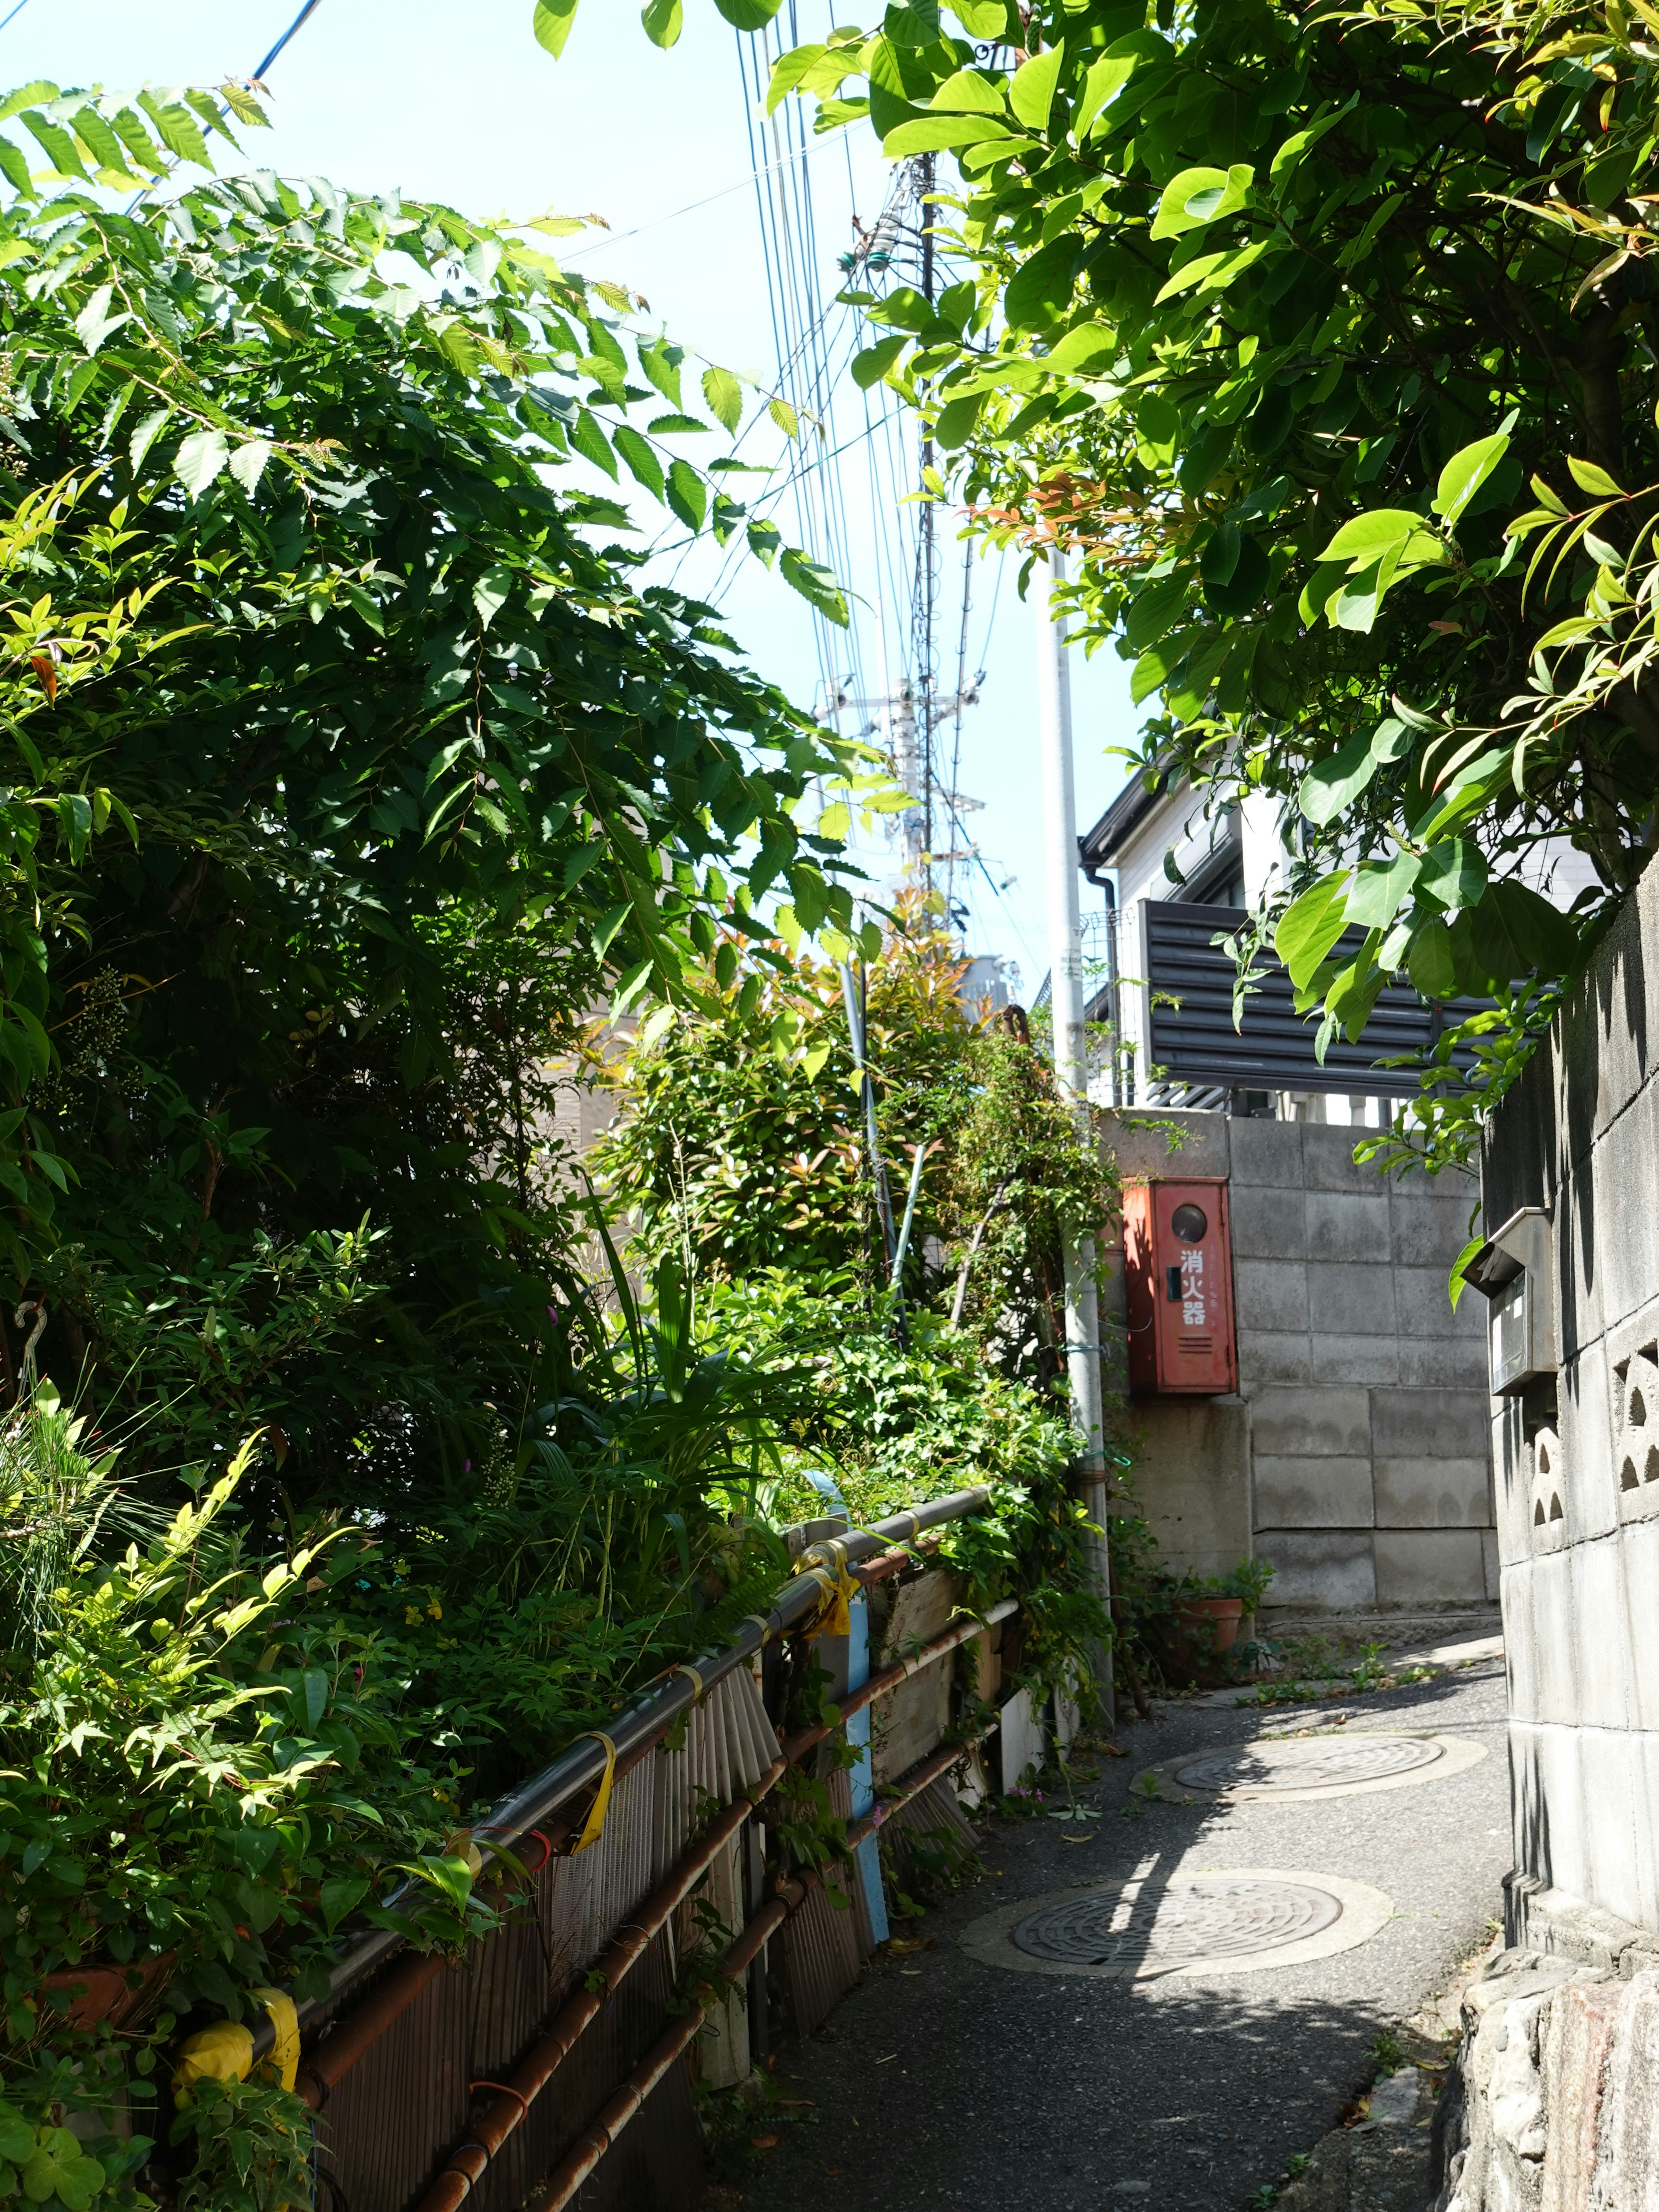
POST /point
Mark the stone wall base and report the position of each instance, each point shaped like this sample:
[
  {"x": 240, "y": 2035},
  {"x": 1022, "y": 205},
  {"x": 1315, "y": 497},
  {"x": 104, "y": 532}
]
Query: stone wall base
[{"x": 1555, "y": 2105}]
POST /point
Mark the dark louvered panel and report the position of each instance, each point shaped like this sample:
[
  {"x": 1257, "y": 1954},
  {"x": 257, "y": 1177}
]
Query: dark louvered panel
[{"x": 1192, "y": 1040}]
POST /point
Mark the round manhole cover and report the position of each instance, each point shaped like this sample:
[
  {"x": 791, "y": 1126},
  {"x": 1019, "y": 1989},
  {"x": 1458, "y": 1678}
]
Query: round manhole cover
[
  {"x": 1225, "y": 1917},
  {"x": 1310, "y": 1763}
]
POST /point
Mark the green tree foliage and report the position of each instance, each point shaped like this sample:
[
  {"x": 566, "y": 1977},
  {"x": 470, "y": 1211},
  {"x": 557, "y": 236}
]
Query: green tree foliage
[
  {"x": 348, "y": 761},
  {"x": 1271, "y": 313},
  {"x": 554, "y": 20},
  {"x": 746, "y": 1158}
]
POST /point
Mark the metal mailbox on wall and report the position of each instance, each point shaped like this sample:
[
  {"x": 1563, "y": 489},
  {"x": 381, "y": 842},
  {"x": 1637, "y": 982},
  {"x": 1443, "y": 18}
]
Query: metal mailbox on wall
[{"x": 1178, "y": 1271}]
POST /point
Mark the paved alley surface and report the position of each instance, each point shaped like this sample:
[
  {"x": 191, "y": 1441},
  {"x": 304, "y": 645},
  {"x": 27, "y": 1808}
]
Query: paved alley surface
[{"x": 945, "y": 2081}]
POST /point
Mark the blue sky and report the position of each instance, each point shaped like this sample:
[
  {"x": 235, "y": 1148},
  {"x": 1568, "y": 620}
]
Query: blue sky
[{"x": 459, "y": 104}]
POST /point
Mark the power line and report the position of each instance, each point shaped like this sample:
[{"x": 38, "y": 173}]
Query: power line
[
  {"x": 17, "y": 10},
  {"x": 258, "y": 74}
]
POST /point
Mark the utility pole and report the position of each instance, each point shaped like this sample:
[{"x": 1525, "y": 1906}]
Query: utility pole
[
  {"x": 1071, "y": 1057},
  {"x": 927, "y": 585}
]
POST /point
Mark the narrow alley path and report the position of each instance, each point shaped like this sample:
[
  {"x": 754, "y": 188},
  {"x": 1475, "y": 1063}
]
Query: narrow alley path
[{"x": 1184, "y": 2093}]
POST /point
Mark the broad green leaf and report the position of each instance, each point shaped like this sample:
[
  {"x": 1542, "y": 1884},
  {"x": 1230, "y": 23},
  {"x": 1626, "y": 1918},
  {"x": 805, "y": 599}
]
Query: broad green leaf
[
  {"x": 1212, "y": 271},
  {"x": 928, "y": 134},
  {"x": 178, "y": 129},
  {"x": 1331, "y": 789},
  {"x": 146, "y": 435},
  {"x": 247, "y": 463},
  {"x": 340, "y": 1896},
  {"x": 590, "y": 442},
  {"x": 491, "y": 592},
  {"x": 16, "y": 169},
  {"x": 1368, "y": 537},
  {"x": 1457, "y": 1281},
  {"x": 834, "y": 822},
  {"x": 1310, "y": 926},
  {"x": 1513, "y": 931},
  {"x": 816, "y": 584},
  {"x": 788, "y": 71},
  {"x": 1585, "y": 474},
  {"x": 1040, "y": 290},
  {"x": 785, "y": 417},
  {"x": 723, "y": 396},
  {"x": 662, "y": 20},
  {"x": 552, "y": 22},
  {"x": 1465, "y": 473},
  {"x": 661, "y": 364},
  {"x": 57, "y": 145},
  {"x": 1088, "y": 342},
  {"x": 639, "y": 457},
  {"x": 27, "y": 95},
  {"x": 1377, "y": 890},
  {"x": 982, "y": 19},
  {"x": 94, "y": 322},
  {"x": 199, "y": 460},
  {"x": 1155, "y": 668},
  {"x": 969, "y": 92},
  {"x": 1200, "y": 196},
  {"x": 1431, "y": 964},
  {"x": 1106, "y": 79},
  {"x": 1297, "y": 143},
  {"x": 687, "y": 494},
  {"x": 872, "y": 364},
  {"x": 749, "y": 15},
  {"x": 1031, "y": 88},
  {"x": 1454, "y": 873}
]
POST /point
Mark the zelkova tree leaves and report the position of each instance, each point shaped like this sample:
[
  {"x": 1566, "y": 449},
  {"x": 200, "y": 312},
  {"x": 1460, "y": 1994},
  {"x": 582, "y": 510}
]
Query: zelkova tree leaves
[
  {"x": 1271, "y": 314},
  {"x": 349, "y": 764},
  {"x": 554, "y": 20}
]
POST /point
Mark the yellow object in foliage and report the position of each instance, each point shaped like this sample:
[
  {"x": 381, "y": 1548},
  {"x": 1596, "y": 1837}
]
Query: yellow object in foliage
[
  {"x": 285, "y": 2051},
  {"x": 221, "y": 2052},
  {"x": 224, "y": 2051},
  {"x": 593, "y": 1826},
  {"x": 828, "y": 1569}
]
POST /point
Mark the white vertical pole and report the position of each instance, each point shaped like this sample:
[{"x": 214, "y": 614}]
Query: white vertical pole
[{"x": 1071, "y": 1051}]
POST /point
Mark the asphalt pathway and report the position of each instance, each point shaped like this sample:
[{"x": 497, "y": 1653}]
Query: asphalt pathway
[{"x": 941, "y": 2080}]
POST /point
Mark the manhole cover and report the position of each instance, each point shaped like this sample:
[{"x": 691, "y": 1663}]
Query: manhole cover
[
  {"x": 1227, "y": 1917},
  {"x": 1312, "y": 1763}
]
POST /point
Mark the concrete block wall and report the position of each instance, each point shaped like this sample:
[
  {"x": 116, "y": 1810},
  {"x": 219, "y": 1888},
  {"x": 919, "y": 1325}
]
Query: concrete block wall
[
  {"x": 1355, "y": 1456},
  {"x": 1579, "y": 1135}
]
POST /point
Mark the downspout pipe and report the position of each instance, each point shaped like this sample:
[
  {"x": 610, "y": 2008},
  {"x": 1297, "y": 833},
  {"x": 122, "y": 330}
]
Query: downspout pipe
[
  {"x": 1092, "y": 874},
  {"x": 517, "y": 1816}
]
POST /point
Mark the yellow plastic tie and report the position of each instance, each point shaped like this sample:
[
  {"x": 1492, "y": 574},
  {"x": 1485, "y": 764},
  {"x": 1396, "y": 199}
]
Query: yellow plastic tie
[
  {"x": 223, "y": 2051},
  {"x": 593, "y": 1826},
  {"x": 755, "y": 1621},
  {"x": 285, "y": 2050},
  {"x": 840, "y": 1589},
  {"x": 699, "y": 1687}
]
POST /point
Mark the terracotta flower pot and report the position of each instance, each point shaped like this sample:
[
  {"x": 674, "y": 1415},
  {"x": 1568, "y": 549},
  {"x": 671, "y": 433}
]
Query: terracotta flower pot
[
  {"x": 103, "y": 1991},
  {"x": 1224, "y": 1615}
]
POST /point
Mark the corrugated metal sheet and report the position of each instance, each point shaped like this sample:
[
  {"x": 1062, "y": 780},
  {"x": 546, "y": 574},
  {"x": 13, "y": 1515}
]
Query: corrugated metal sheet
[{"x": 1192, "y": 1040}]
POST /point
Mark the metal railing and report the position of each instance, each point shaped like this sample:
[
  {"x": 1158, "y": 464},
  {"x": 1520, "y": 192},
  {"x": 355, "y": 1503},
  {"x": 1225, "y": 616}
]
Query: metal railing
[{"x": 550, "y": 2060}]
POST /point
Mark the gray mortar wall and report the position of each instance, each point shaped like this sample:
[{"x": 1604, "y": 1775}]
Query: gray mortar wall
[
  {"x": 1355, "y": 1457},
  {"x": 1579, "y": 1136}
]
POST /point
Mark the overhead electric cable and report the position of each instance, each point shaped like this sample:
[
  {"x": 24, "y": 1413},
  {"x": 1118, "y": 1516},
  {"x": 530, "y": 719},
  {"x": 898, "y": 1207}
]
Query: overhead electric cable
[
  {"x": 309, "y": 8},
  {"x": 16, "y": 11}
]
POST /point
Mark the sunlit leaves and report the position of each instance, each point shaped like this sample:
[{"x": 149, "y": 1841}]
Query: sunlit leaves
[
  {"x": 552, "y": 23},
  {"x": 723, "y": 397}
]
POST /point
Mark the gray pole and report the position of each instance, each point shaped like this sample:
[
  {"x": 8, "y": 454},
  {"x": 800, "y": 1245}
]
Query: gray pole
[{"x": 1071, "y": 1052}]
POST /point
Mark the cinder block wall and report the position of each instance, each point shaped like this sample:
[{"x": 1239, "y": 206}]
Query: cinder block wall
[
  {"x": 1355, "y": 1457},
  {"x": 1579, "y": 1135}
]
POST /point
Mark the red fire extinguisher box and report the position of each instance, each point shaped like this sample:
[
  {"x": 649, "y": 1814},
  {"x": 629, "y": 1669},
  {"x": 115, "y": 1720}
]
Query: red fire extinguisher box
[{"x": 1178, "y": 1270}]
